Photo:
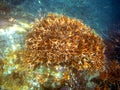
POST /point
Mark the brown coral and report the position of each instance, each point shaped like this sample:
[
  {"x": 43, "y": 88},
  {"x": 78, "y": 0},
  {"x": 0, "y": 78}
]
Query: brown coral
[
  {"x": 110, "y": 78},
  {"x": 60, "y": 40},
  {"x": 113, "y": 71}
]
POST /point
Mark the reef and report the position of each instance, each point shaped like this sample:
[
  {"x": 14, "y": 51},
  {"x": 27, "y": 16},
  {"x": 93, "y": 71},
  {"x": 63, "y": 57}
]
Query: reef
[
  {"x": 58, "y": 41},
  {"x": 59, "y": 51}
]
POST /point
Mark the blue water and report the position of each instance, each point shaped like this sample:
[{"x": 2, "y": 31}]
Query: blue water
[{"x": 101, "y": 15}]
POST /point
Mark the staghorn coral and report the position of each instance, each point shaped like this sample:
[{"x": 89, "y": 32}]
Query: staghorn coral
[
  {"x": 65, "y": 44},
  {"x": 60, "y": 40}
]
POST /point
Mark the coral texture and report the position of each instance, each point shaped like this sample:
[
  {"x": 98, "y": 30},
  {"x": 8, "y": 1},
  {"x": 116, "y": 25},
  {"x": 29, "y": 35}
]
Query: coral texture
[
  {"x": 57, "y": 40},
  {"x": 113, "y": 71},
  {"x": 59, "y": 52},
  {"x": 110, "y": 78}
]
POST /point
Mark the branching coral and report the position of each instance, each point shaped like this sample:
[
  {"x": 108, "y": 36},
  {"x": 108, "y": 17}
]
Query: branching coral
[
  {"x": 58, "y": 51},
  {"x": 59, "y": 41}
]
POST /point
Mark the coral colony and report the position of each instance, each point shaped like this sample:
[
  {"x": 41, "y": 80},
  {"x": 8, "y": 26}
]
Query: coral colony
[
  {"x": 60, "y": 41},
  {"x": 59, "y": 52},
  {"x": 64, "y": 44}
]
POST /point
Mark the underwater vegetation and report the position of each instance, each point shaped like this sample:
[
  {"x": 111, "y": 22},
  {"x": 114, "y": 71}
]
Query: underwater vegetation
[{"x": 59, "y": 52}]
